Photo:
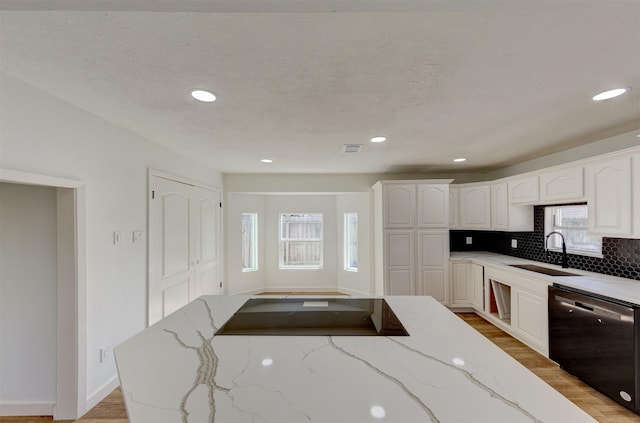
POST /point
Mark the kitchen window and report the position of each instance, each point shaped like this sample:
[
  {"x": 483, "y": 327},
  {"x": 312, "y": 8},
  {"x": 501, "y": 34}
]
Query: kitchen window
[
  {"x": 300, "y": 241},
  {"x": 351, "y": 242},
  {"x": 249, "y": 242},
  {"x": 572, "y": 223}
]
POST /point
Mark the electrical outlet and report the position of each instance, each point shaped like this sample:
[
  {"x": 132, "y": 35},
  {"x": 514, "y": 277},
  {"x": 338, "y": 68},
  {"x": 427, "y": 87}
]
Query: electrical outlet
[
  {"x": 105, "y": 353},
  {"x": 469, "y": 240},
  {"x": 514, "y": 243},
  {"x": 138, "y": 237}
]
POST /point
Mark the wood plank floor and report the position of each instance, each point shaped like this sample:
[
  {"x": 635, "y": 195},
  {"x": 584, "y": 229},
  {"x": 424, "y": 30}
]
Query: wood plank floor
[{"x": 112, "y": 410}]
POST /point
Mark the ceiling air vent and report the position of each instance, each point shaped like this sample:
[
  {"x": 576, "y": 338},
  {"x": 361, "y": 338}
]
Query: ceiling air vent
[{"x": 351, "y": 148}]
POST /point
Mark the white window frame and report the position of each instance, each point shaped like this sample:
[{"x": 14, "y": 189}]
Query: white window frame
[
  {"x": 555, "y": 242},
  {"x": 253, "y": 246},
  {"x": 283, "y": 240},
  {"x": 350, "y": 242}
]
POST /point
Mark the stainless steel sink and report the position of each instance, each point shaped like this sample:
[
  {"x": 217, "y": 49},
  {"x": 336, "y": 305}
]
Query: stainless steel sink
[{"x": 542, "y": 269}]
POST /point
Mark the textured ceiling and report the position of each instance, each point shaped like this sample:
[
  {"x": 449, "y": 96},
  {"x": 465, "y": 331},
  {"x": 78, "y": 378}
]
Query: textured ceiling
[{"x": 496, "y": 82}]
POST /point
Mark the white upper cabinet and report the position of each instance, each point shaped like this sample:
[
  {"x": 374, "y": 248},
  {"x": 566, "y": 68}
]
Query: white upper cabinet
[
  {"x": 433, "y": 206},
  {"x": 635, "y": 187},
  {"x": 562, "y": 185},
  {"x": 475, "y": 207},
  {"x": 499, "y": 206},
  {"x": 399, "y": 205},
  {"x": 609, "y": 196},
  {"x": 524, "y": 190},
  {"x": 505, "y": 216},
  {"x": 453, "y": 207}
]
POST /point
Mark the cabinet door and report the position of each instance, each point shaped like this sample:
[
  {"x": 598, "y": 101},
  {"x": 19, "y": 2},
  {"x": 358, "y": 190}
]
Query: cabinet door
[
  {"x": 524, "y": 191},
  {"x": 609, "y": 196},
  {"x": 433, "y": 206},
  {"x": 499, "y": 206},
  {"x": 529, "y": 317},
  {"x": 461, "y": 284},
  {"x": 399, "y": 265},
  {"x": 477, "y": 282},
  {"x": 475, "y": 207},
  {"x": 399, "y": 206},
  {"x": 433, "y": 258},
  {"x": 562, "y": 185},
  {"x": 453, "y": 207}
]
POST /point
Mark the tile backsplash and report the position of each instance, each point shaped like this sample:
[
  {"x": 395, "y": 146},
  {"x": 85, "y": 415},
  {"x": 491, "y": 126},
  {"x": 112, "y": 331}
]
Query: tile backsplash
[{"x": 621, "y": 257}]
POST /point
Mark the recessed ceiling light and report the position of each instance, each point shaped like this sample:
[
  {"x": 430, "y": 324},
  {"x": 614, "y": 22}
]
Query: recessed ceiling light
[
  {"x": 460, "y": 160},
  {"x": 204, "y": 96},
  {"x": 266, "y": 161},
  {"x": 606, "y": 95},
  {"x": 378, "y": 139}
]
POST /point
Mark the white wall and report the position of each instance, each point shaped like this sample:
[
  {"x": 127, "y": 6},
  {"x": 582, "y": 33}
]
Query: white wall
[
  {"x": 324, "y": 279},
  {"x": 27, "y": 293},
  {"x": 237, "y": 281},
  {"x": 41, "y": 134},
  {"x": 607, "y": 145},
  {"x": 360, "y": 282}
]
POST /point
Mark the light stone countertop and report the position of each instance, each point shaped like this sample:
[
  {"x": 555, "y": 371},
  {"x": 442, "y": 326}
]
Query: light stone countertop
[
  {"x": 610, "y": 286},
  {"x": 445, "y": 371}
]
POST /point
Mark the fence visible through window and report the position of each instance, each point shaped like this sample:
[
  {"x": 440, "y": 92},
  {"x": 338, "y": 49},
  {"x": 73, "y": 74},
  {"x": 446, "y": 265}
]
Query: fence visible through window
[{"x": 301, "y": 241}]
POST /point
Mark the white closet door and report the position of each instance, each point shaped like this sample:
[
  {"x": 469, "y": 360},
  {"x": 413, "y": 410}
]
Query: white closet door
[
  {"x": 184, "y": 245},
  {"x": 206, "y": 219}
]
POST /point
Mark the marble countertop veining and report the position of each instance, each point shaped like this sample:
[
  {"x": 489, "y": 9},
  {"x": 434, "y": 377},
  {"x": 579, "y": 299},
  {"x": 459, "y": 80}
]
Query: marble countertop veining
[
  {"x": 445, "y": 371},
  {"x": 610, "y": 286}
]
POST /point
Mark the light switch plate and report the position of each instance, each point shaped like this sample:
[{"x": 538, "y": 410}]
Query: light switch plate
[
  {"x": 117, "y": 237},
  {"x": 514, "y": 243}
]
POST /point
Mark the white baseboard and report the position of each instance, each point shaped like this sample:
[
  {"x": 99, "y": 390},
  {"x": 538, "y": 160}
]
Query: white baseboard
[
  {"x": 355, "y": 293},
  {"x": 26, "y": 408},
  {"x": 248, "y": 292},
  {"x": 290, "y": 288},
  {"x": 101, "y": 393}
]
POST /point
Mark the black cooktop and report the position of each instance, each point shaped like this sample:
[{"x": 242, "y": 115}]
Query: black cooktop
[{"x": 314, "y": 316}]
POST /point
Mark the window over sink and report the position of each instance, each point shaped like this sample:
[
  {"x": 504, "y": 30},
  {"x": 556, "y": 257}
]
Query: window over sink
[{"x": 572, "y": 222}]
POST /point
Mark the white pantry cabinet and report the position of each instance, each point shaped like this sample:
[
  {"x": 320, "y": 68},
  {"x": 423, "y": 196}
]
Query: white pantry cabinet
[
  {"x": 433, "y": 260},
  {"x": 433, "y": 205},
  {"x": 399, "y": 261},
  {"x": 565, "y": 185},
  {"x": 399, "y": 205},
  {"x": 524, "y": 190},
  {"x": 474, "y": 207},
  {"x": 411, "y": 235},
  {"x": 609, "y": 196}
]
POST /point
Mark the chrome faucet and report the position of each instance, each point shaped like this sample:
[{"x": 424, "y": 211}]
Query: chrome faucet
[{"x": 564, "y": 261}]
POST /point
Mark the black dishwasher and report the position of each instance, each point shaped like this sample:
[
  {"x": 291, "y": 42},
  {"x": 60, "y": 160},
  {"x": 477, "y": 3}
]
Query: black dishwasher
[{"x": 597, "y": 339}]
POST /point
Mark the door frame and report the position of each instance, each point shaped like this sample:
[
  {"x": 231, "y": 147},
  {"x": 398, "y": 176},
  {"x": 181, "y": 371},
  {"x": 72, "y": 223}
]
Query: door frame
[
  {"x": 71, "y": 326},
  {"x": 151, "y": 173}
]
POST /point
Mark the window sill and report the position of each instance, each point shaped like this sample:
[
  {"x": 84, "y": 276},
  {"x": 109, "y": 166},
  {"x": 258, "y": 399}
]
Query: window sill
[{"x": 577, "y": 252}]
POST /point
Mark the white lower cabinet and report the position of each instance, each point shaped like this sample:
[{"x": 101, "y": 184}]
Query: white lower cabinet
[
  {"x": 529, "y": 317},
  {"x": 524, "y": 306},
  {"x": 477, "y": 286},
  {"x": 461, "y": 287}
]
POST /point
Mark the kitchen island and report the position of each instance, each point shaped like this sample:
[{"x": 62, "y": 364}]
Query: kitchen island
[{"x": 444, "y": 371}]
